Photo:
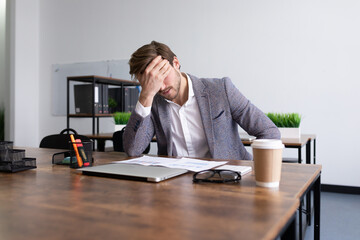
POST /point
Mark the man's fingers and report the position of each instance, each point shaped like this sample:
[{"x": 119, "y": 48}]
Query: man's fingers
[
  {"x": 157, "y": 68},
  {"x": 163, "y": 64},
  {"x": 165, "y": 70},
  {"x": 153, "y": 64}
]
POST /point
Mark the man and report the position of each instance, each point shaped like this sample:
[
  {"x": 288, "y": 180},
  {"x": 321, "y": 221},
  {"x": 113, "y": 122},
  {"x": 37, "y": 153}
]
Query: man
[{"x": 190, "y": 116}]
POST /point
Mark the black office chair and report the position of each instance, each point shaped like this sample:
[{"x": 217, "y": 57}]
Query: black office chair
[
  {"x": 118, "y": 142},
  {"x": 61, "y": 141}
]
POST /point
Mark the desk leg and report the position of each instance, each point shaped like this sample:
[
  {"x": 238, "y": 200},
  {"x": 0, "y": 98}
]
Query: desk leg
[
  {"x": 300, "y": 220},
  {"x": 290, "y": 232},
  {"x": 314, "y": 151},
  {"x": 308, "y": 208},
  {"x": 299, "y": 155},
  {"x": 317, "y": 192},
  {"x": 308, "y": 195}
]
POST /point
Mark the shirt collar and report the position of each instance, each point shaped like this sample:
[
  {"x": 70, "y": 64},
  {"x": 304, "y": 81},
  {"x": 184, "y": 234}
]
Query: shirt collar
[
  {"x": 191, "y": 90},
  {"x": 190, "y": 85}
]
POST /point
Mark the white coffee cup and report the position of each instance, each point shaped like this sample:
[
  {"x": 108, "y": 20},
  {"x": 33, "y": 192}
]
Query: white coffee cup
[{"x": 267, "y": 161}]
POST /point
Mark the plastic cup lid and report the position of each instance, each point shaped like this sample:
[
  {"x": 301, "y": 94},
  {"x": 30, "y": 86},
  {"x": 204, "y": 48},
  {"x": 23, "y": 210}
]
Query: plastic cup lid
[{"x": 267, "y": 144}]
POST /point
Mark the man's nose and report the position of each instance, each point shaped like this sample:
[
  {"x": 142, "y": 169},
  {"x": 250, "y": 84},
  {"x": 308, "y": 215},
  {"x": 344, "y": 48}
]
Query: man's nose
[{"x": 163, "y": 87}]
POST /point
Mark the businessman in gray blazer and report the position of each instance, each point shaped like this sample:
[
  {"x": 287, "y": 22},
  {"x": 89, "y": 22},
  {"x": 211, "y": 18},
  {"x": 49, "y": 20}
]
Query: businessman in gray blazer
[{"x": 190, "y": 116}]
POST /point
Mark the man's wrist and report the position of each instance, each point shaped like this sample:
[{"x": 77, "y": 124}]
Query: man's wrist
[
  {"x": 146, "y": 100},
  {"x": 141, "y": 110}
]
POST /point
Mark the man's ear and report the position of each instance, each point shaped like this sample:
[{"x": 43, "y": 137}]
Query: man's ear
[{"x": 176, "y": 63}]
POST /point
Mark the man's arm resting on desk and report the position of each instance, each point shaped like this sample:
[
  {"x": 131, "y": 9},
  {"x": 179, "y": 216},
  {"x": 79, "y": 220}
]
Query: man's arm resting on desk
[{"x": 138, "y": 132}]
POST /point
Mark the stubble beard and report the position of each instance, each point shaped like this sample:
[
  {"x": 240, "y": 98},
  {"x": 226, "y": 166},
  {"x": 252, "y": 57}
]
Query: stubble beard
[{"x": 176, "y": 88}]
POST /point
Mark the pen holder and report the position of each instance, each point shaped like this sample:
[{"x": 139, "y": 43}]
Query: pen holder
[
  {"x": 14, "y": 160},
  {"x": 5, "y": 147},
  {"x": 81, "y": 155},
  {"x": 19, "y": 165},
  {"x": 9, "y": 155}
]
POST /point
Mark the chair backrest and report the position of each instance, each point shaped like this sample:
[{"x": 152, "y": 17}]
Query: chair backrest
[
  {"x": 62, "y": 140},
  {"x": 118, "y": 142}
]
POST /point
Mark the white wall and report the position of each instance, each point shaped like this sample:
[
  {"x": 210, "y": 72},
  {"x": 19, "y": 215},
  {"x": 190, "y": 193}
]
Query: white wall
[
  {"x": 3, "y": 86},
  {"x": 24, "y": 74},
  {"x": 285, "y": 56}
]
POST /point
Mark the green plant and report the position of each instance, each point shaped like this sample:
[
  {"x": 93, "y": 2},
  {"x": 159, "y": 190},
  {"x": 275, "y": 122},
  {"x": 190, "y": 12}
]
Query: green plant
[
  {"x": 288, "y": 120},
  {"x": 2, "y": 124},
  {"x": 121, "y": 117},
  {"x": 112, "y": 103}
]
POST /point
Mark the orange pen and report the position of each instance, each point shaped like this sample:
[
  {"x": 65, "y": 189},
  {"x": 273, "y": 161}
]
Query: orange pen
[{"x": 80, "y": 162}]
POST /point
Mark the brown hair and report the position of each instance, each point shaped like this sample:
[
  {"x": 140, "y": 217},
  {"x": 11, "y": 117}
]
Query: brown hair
[{"x": 142, "y": 57}]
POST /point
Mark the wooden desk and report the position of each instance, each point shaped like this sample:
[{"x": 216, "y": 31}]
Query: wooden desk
[
  {"x": 57, "y": 202},
  {"x": 298, "y": 144}
]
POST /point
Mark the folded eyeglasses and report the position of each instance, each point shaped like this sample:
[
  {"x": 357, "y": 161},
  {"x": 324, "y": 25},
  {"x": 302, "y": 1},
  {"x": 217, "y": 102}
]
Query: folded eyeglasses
[{"x": 217, "y": 176}]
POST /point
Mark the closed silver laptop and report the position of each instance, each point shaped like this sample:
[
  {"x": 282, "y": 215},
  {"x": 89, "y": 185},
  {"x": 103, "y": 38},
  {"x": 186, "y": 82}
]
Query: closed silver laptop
[{"x": 133, "y": 172}]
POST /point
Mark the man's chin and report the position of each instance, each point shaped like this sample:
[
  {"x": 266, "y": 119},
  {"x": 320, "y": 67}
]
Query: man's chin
[{"x": 167, "y": 97}]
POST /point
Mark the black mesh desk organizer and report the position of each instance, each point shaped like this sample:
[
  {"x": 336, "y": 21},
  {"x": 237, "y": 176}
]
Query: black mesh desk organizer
[
  {"x": 14, "y": 160},
  {"x": 59, "y": 158}
]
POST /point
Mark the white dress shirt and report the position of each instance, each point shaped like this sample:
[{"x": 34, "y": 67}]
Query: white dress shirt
[{"x": 186, "y": 126}]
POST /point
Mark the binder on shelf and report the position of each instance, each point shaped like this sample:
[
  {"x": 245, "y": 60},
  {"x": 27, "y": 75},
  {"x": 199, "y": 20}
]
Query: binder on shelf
[
  {"x": 83, "y": 100},
  {"x": 125, "y": 102},
  {"x": 105, "y": 98},
  {"x": 98, "y": 98}
]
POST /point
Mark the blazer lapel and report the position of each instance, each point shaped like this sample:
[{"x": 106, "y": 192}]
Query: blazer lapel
[
  {"x": 165, "y": 122},
  {"x": 203, "y": 100}
]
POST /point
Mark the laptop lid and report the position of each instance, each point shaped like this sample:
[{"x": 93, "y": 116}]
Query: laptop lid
[{"x": 133, "y": 172}]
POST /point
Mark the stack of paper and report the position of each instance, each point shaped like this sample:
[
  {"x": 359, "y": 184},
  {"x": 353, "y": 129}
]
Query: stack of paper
[
  {"x": 240, "y": 169},
  {"x": 190, "y": 164}
]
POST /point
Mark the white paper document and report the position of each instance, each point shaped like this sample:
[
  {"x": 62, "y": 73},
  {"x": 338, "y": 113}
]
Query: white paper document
[
  {"x": 190, "y": 164},
  {"x": 240, "y": 169}
]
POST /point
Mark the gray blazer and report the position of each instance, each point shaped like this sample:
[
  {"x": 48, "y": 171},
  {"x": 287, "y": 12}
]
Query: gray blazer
[{"x": 222, "y": 108}]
